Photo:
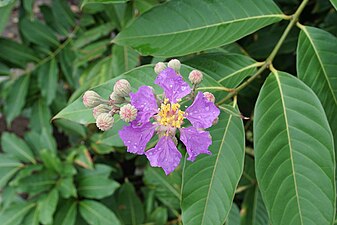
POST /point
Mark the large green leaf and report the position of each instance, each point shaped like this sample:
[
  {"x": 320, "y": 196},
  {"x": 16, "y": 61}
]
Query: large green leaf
[
  {"x": 137, "y": 77},
  {"x": 130, "y": 208},
  {"x": 167, "y": 188},
  {"x": 16, "y": 97},
  {"x": 66, "y": 215},
  {"x": 181, "y": 27},
  {"x": 123, "y": 59},
  {"x": 334, "y": 3},
  {"x": 228, "y": 69},
  {"x": 47, "y": 206},
  {"x": 253, "y": 208},
  {"x": 18, "y": 54},
  {"x": 294, "y": 156},
  {"x": 317, "y": 66},
  {"x": 38, "y": 33},
  {"x": 15, "y": 214},
  {"x": 233, "y": 216},
  {"x": 13, "y": 145},
  {"x": 210, "y": 182},
  {"x": 96, "y": 213},
  {"x": 96, "y": 187},
  {"x": 8, "y": 167},
  {"x": 47, "y": 77}
]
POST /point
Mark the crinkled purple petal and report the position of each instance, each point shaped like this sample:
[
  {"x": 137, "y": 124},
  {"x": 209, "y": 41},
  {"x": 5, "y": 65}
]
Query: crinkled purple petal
[
  {"x": 136, "y": 138},
  {"x": 164, "y": 155},
  {"x": 202, "y": 112},
  {"x": 196, "y": 141},
  {"x": 145, "y": 102},
  {"x": 173, "y": 84}
]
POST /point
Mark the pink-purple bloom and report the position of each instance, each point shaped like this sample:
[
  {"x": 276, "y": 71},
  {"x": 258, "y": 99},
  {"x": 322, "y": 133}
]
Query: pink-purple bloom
[{"x": 165, "y": 119}]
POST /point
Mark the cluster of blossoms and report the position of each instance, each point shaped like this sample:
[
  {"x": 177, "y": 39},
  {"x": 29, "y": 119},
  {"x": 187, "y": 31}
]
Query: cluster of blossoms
[{"x": 148, "y": 114}]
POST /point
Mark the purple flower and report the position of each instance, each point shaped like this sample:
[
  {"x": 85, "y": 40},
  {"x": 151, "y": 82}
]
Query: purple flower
[
  {"x": 174, "y": 85},
  {"x": 164, "y": 155},
  {"x": 165, "y": 119},
  {"x": 202, "y": 112}
]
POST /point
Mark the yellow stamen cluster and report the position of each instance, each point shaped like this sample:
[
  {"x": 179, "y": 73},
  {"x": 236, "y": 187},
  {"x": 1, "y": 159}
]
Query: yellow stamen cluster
[{"x": 170, "y": 114}]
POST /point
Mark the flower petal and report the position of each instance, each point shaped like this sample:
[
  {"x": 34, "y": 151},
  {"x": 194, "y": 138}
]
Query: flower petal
[
  {"x": 145, "y": 102},
  {"x": 136, "y": 138},
  {"x": 202, "y": 112},
  {"x": 173, "y": 84},
  {"x": 196, "y": 141},
  {"x": 164, "y": 155}
]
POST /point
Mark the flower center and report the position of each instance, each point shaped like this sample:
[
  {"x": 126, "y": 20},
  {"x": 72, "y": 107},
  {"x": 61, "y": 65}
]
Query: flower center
[{"x": 170, "y": 114}]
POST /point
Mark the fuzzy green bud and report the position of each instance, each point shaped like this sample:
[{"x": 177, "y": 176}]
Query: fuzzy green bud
[
  {"x": 116, "y": 99},
  {"x": 174, "y": 64},
  {"x": 195, "y": 77},
  {"x": 104, "y": 121},
  {"x": 91, "y": 99},
  {"x": 159, "y": 67},
  {"x": 98, "y": 110},
  {"x": 209, "y": 96},
  {"x": 122, "y": 88},
  {"x": 128, "y": 113}
]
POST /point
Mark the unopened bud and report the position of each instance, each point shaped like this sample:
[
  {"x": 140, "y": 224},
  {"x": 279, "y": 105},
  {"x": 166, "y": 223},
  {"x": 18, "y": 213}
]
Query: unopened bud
[
  {"x": 174, "y": 64},
  {"x": 98, "y": 110},
  {"x": 104, "y": 121},
  {"x": 116, "y": 99},
  {"x": 209, "y": 96},
  {"x": 122, "y": 88},
  {"x": 159, "y": 67},
  {"x": 128, "y": 113},
  {"x": 91, "y": 99},
  {"x": 215, "y": 121},
  {"x": 195, "y": 77}
]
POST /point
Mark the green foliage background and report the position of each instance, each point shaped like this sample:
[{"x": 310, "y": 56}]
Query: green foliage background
[{"x": 277, "y": 167}]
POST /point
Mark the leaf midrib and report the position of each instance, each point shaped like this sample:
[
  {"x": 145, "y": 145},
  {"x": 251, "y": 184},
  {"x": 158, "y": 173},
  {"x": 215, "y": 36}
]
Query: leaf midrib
[
  {"x": 289, "y": 143},
  {"x": 201, "y": 28},
  {"x": 214, "y": 169}
]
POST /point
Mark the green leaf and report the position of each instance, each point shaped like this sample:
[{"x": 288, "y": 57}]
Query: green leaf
[
  {"x": 66, "y": 215},
  {"x": 50, "y": 160},
  {"x": 47, "y": 77},
  {"x": 87, "y": 2},
  {"x": 159, "y": 216},
  {"x": 18, "y": 54},
  {"x": 83, "y": 157},
  {"x": 63, "y": 16},
  {"x": 234, "y": 216},
  {"x": 47, "y": 207},
  {"x": 5, "y": 12},
  {"x": 37, "y": 183},
  {"x": 186, "y": 26},
  {"x": 16, "y": 147},
  {"x": 334, "y": 3},
  {"x": 16, "y": 97},
  {"x": 40, "y": 117},
  {"x": 96, "y": 187},
  {"x": 8, "y": 167},
  {"x": 143, "y": 75},
  {"x": 15, "y": 214},
  {"x": 96, "y": 213},
  {"x": 47, "y": 141},
  {"x": 228, "y": 69},
  {"x": 130, "y": 208},
  {"x": 253, "y": 208},
  {"x": 67, "y": 187},
  {"x": 209, "y": 183},
  {"x": 38, "y": 33},
  {"x": 317, "y": 66},
  {"x": 167, "y": 188},
  {"x": 123, "y": 59},
  {"x": 6, "y": 2},
  {"x": 32, "y": 217},
  {"x": 294, "y": 156}
]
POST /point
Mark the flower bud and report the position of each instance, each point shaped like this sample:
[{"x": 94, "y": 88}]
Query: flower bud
[
  {"x": 116, "y": 99},
  {"x": 104, "y": 121},
  {"x": 209, "y": 96},
  {"x": 122, "y": 88},
  {"x": 98, "y": 110},
  {"x": 91, "y": 99},
  {"x": 174, "y": 64},
  {"x": 128, "y": 113},
  {"x": 195, "y": 77},
  {"x": 159, "y": 67}
]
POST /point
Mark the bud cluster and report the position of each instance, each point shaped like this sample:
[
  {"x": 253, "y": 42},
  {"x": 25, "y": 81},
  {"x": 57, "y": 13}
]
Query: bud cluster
[{"x": 103, "y": 110}]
